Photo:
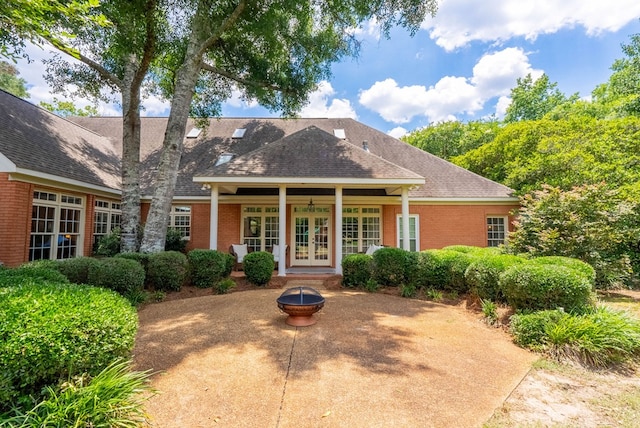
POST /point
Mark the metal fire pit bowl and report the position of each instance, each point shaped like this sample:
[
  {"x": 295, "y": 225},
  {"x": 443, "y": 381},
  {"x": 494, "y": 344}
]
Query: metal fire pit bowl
[{"x": 300, "y": 303}]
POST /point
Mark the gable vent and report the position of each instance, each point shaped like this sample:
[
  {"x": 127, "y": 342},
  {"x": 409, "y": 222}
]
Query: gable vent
[
  {"x": 224, "y": 158},
  {"x": 238, "y": 133},
  {"x": 194, "y": 133},
  {"x": 339, "y": 133}
]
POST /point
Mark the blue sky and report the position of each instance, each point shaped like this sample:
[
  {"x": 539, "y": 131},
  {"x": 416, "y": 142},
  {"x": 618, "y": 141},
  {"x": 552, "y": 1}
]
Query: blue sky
[{"x": 461, "y": 65}]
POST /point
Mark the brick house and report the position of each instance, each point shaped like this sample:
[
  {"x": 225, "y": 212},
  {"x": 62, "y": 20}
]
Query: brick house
[{"x": 324, "y": 187}]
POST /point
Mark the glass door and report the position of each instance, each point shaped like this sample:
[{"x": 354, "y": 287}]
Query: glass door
[{"x": 312, "y": 236}]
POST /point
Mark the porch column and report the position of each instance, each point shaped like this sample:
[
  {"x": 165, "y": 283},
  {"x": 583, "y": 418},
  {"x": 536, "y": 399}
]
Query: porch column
[
  {"x": 338, "y": 230},
  {"x": 405, "y": 218},
  {"x": 213, "y": 219},
  {"x": 282, "y": 230}
]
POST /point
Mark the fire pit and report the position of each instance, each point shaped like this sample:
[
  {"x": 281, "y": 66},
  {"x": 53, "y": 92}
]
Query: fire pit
[{"x": 300, "y": 303}]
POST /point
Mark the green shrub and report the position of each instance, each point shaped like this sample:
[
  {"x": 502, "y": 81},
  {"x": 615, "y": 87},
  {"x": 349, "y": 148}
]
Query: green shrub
[
  {"x": 568, "y": 262},
  {"x": 531, "y": 286},
  {"x": 77, "y": 270},
  {"x": 490, "y": 311},
  {"x": 167, "y": 270},
  {"x": 529, "y": 330},
  {"x": 175, "y": 241},
  {"x": 408, "y": 290},
  {"x": 223, "y": 286},
  {"x": 53, "y": 331},
  {"x": 258, "y": 267},
  {"x": 142, "y": 258},
  {"x": 371, "y": 286},
  {"x": 475, "y": 251},
  {"x": 44, "y": 270},
  {"x": 115, "y": 397},
  {"x": 390, "y": 266},
  {"x": 109, "y": 244},
  {"x": 444, "y": 270},
  {"x": 121, "y": 275},
  {"x": 483, "y": 275},
  {"x": 356, "y": 270},
  {"x": 208, "y": 267}
]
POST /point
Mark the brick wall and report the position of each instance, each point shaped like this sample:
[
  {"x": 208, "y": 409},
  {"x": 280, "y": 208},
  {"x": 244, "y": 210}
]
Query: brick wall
[{"x": 15, "y": 220}]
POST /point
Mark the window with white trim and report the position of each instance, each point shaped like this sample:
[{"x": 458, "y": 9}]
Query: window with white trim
[
  {"x": 496, "y": 231},
  {"x": 56, "y": 225},
  {"x": 414, "y": 232},
  {"x": 180, "y": 219},
  {"x": 361, "y": 227},
  {"x": 106, "y": 217},
  {"x": 260, "y": 228}
]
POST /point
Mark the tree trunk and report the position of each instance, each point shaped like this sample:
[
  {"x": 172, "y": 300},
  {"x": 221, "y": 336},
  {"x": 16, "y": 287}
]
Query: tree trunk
[{"x": 130, "y": 161}]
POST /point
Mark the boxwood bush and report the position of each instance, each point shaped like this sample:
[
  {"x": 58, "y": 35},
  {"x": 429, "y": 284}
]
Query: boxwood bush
[
  {"x": 356, "y": 270},
  {"x": 258, "y": 267},
  {"x": 483, "y": 275},
  {"x": 585, "y": 268},
  {"x": 208, "y": 267},
  {"x": 51, "y": 331},
  {"x": 77, "y": 269},
  {"x": 445, "y": 269},
  {"x": 167, "y": 270},
  {"x": 391, "y": 266},
  {"x": 531, "y": 286},
  {"x": 475, "y": 251},
  {"x": 121, "y": 275}
]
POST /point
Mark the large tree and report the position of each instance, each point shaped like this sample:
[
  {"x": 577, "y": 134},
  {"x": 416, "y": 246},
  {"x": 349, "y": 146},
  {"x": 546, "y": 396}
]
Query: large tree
[
  {"x": 532, "y": 99},
  {"x": 10, "y": 82}
]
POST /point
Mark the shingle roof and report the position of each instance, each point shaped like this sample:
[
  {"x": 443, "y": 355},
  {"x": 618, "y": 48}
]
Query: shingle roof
[
  {"x": 37, "y": 141},
  {"x": 442, "y": 179}
]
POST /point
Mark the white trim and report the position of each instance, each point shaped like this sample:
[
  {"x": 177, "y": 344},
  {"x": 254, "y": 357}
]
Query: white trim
[
  {"x": 44, "y": 179},
  {"x": 417, "y": 223},
  {"x": 213, "y": 218},
  {"x": 505, "y": 200},
  {"x": 312, "y": 180},
  {"x": 282, "y": 230},
  {"x": 338, "y": 231},
  {"x": 505, "y": 225}
]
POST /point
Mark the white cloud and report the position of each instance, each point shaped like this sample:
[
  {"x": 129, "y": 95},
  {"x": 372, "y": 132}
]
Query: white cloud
[
  {"x": 238, "y": 101},
  {"x": 319, "y": 105},
  {"x": 501, "y": 106},
  {"x": 493, "y": 75},
  {"x": 457, "y": 22},
  {"x": 398, "y": 132}
]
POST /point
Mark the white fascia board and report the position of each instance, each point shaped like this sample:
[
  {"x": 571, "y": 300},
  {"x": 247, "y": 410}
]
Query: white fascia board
[
  {"x": 313, "y": 180},
  {"x": 42, "y": 178},
  {"x": 6, "y": 165},
  {"x": 505, "y": 200}
]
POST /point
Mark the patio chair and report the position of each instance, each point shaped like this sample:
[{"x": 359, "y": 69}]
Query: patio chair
[
  {"x": 238, "y": 251},
  {"x": 372, "y": 249},
  {"x": 275, "y": 250}
]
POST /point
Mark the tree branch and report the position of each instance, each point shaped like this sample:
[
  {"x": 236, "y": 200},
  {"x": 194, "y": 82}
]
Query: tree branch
[
  {"x": 210, "y": 68},
  {"x": 231, "y": 19}
]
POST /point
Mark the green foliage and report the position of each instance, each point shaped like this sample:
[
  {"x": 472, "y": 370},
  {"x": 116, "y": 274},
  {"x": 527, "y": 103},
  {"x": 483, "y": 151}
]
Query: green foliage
[
  {"x": 175, "y": 241},
  {"x": 530, "y": 286},
  {"x": 142, "y": 258},
  {"x": 121, "y": 275},
  {"x": 258, "y": 267},
  {"x": 113, "y": 398},
  {"x": 589, "y": 223},
  {"x": 601, "y": 337},
  {"x": 10, "y": 82},
  {"x": 568, "y": 262},
  {"x": 356, "y": 270},
  {"x": 223, "y": 286},
  {"x": 42, "y": 270},
  {"x": 531, "y": 100},
  {"x": 54, "y": 331},
  {"x": 77, "y": 270},
  {"x": 444, "y": 270},
  {"x": 483, "y": 275},
  {"x": 167, "y": 270},
  {"x": 68, "y": 108},
  {"x": 490, "y": 311},
  {"x": 208, "y": 267},
  {"x": 449, "y": 139},
  {"x": 371, "y": 286},
  {"x": 433, "y": 294},
  {"x": 408, "y": 290},
  {"x": 109, "y": 244},
  {"x": 391, "y": 266}
]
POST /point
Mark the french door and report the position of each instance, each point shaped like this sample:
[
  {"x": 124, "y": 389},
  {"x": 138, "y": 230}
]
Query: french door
[{"x": 312, "y": 236}]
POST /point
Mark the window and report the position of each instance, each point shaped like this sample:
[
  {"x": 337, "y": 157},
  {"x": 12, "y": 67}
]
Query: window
[
  {"x": 414, "y": 232},
  {"x": 496, "y": 231},
  {"x": 107, "y": 216},
  {"x": 224, "y": 158},
  {"x": 180, "y": 219},
  {"x": 260, "y": 227},
  {"x": 56, "y": 222},
  {"x": 239, "y": 133},
  {"x": 360, "y": 229},
  {"x": 194, "y": 132}
]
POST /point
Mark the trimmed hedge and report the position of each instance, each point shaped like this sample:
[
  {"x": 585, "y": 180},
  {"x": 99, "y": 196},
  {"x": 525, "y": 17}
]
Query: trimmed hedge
[
  {"x": 444, "y": 270},
  {"x": 44, "y": 270},
  {"x": 475, "y": 251},
  {"x": 167, "y": 270},
  {"x": 77, "y": 270},
  {"x": 531, "y": 286},
  {"x": 585, "y": 268},
  {"x": 121, "y": 275},
  {"x": 391, "y": 266},
  {"x": 258, "y": 267},
  {"x": 52, "y": 331},
  {"x": 356, "y": 270},
  {"x": 208, "y": 267},
  {"x": 483, "y": 275}
]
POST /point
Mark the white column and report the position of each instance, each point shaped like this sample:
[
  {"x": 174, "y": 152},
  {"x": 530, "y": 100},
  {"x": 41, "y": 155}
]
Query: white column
[
  {"x": 338, "y": 230},
  {"x": 213, "y": 219},
  {"x": 282, "y": 230},
  {"x": 405, "y": 218}
]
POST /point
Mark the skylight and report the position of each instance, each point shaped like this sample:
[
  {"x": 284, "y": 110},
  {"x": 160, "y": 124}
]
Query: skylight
[
  {"x": 224, "y": 158},
  {"x": 239, "y": 133},
  {"x": 194, "y": 133},
  {"x": 339, "y": 133}
]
